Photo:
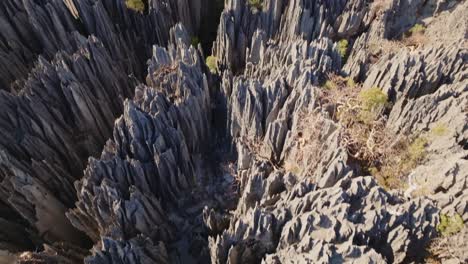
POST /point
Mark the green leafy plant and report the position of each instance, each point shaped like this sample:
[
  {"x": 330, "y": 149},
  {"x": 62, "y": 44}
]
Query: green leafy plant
[
  {"x": 450, "y": 225},
  {"x": 136, "y": 5},
  {"x": 212, "y": 63},
  {"x": 373, "y": 98},
  {"x": 195, "y": 41},
  {"x": 257, "y": 4},
  {"x": 343, "y": 48},
  {"x": 372, "y": 102},
  {"x": 417, "y": 29}
]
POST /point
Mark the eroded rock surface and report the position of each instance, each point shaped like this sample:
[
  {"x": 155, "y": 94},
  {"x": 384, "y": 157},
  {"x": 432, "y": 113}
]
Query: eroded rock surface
[
  {"x": 278, "y": 158},
  {"x": 114, "y": 133}
]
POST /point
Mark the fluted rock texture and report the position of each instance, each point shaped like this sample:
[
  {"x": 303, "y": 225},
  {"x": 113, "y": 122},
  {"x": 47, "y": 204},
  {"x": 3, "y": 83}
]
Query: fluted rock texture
[
  {"x": 148, "y": 179},
  {"x": 65, "y": 74},
  {"x": 32, "y": 28},
  {"x": 289, "y": 173},
  {"x": 119, "y": 145}
]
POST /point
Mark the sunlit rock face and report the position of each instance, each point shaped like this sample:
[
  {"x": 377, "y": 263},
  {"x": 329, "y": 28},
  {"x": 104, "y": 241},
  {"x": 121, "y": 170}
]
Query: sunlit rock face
[{"x": 119, "y": 144}]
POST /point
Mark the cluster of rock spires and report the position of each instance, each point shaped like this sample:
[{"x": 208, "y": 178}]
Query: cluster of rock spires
[{"x": 119, "y": 145}]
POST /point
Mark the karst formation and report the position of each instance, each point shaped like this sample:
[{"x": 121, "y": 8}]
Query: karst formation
[{"x": 233, "y": 131}]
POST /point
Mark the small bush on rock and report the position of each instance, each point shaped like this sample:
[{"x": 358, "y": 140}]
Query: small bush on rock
[
  {"x": 450, "y": 225},
  {"x": 350, "y": 82},
  {"x": 329, "y": 85},
  {"x": 256, "y": 4},
  {"x": 417, "y": 29},
  {"x": 343, "y": 48},
  {"x": 212, "y": 63},
  {"x": 372, "y": 101},
  {"x": 136, "y": 5},
  {"x": 195, "y": 41},
  {"x": 415, "y": 36}
]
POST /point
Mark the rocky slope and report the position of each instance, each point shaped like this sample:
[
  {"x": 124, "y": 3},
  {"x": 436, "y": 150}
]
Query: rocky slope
[{"x": 119, "y": 145}]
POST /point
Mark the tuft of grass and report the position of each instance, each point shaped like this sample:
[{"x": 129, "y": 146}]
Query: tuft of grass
[
  {"x": 439, "y": 130},
  {"x": 343, "y": 48},
  {"x": 212, "y": 63},
  {"x": 450, "y": 225},
  {"x": 417, "y": 29},
  {"x": 256, "y": 4},
  {"x": 136, "y": 5}
]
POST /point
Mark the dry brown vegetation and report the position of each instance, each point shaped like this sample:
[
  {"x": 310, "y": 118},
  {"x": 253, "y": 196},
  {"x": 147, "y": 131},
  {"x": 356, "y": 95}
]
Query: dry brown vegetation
[
  {"x": 363, "y": 122},
  {"x": 361, "y": 114},
  {"x": 413, "y": 38},
  {"x": 448, "y": 247},
  {"x": 304, "y": 158},
  {"x": 385, "y": 46},
  {"x": 378, "y": 6}
]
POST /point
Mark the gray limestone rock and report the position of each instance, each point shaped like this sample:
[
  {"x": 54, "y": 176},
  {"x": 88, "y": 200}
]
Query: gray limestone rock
[
  {"x": 148, "y": 180},
  {"x": 274, "y": 183},
  {"x": 58, "y": 120},
  {"x": 354, "y": 221}
]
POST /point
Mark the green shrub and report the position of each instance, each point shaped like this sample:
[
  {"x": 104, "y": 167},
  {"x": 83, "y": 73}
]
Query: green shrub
[
  {"x": 372, "y": 102},
  {"x": 257, "y": 4},
  {"x": 450, "y": 225},
  {"x": 136, "y": 5},
  {"x": 330, "y": 85},
  {"x": 416, "y": 29},
  {"x": 350, "y": 82},
  {"x": 195, "y": 41},
  {"x": 372, "y": 98},
  {"x": 439, "y": 130},
  {"x": 417, "y": 150},
  {"x": 343, "y": 48},
  {"x": 212, "y": 63}
]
